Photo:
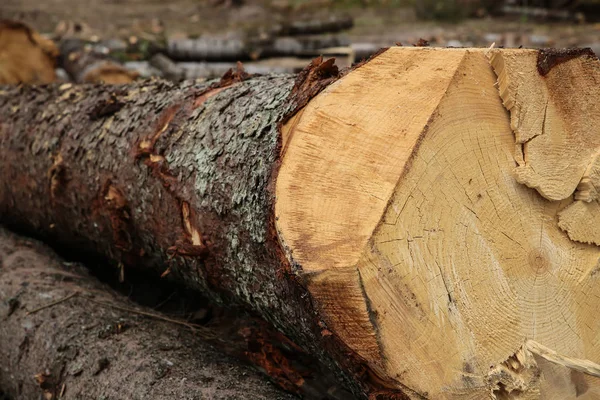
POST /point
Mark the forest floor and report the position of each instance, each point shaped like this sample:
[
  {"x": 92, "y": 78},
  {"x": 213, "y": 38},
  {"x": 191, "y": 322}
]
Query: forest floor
[{"x": 383, "y": 22}]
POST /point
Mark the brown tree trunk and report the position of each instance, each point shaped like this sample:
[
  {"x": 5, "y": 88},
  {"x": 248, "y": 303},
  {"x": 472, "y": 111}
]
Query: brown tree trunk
[
  {"x": 403, "y": 227},
  {"x": 65, "y": 336},
  {"x": 174, "y": 179}
]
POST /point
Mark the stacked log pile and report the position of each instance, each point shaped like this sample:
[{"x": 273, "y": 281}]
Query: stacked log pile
[{"x": 287, "y": 48}]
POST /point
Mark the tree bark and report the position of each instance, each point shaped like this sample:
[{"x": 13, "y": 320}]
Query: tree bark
[
  {"x": 402, "y": 226},
  {"x": 168, "y": 182},
  {"x": 90, "y": 346}
]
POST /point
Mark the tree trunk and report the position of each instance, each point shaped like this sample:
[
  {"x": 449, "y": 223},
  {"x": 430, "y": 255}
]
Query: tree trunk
[
  {"x": 330, "y": 24},
  {"x": 383, "y": 227},
  {"x": 65, "y": 336},
  {"x": 169, "y": 69}
]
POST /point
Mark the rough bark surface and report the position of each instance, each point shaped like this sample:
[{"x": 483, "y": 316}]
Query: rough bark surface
[
  {"x": 172, "y": 178},
  {"x": 77, "y": 349}
]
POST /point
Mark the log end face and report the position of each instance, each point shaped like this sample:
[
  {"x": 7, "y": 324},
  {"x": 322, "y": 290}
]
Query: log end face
[
  {"x": 109, "y": 73},
  {"x": 343, "y": 156},
  {"x": 580, "y": 220},
  {"x": 518, "y": 377},
  {"x": 26, "y": 57},
  {"x": 551, "y": 96},
  {"x": 422, "y": 251}
]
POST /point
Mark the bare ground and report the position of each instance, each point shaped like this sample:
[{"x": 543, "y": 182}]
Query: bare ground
[{"x": 382, "y": 24}]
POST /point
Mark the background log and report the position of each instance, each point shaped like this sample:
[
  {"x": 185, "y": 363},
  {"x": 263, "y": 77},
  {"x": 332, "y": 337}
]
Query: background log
[
  {"x": 25, "y": 56},
  {"x": 208, "y": 48},
  {"x": 330, "y": 24},
  {"x": 309, "y": 45},
  {"x": 167, "y": 67},
  {"x": 85, "y": 64}
]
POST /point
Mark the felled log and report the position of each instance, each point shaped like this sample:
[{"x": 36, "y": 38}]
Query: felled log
[
  {"x": 222, "y": 49},
  {"x": 425, "y": 226},
  {"x": 25, "y": 56},
  {"x": 308, "y": 45},
  {"x": 169, "y": 69},
  {"x": 208, "y": 48},
  {"x": 211, "y": 70},
  {"x": 310, "y": 26},
  {"x": 540, "y": 13},
  {"x": 85, "y": 64},
  {"x": 64, "y": 335}
]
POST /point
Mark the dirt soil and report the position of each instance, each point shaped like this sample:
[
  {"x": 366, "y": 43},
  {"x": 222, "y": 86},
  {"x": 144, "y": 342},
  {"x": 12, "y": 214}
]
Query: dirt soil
[{"x": 380, "y": 22}]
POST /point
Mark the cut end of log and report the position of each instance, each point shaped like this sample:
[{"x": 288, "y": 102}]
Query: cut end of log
[
  {"x": 25, "y": 56},
  {"x": 552, "y": 98},
  {"x": 110, "y": 73},
  {"x": 85, "y": 64},
  {"x": 425, "y": 251}
]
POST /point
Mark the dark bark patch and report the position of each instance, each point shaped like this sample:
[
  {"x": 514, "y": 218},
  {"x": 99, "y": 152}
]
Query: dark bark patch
[
  {"x": 549, "y": 58},
  {"x": 115, "y": 328},
  {"x": 234, "y": 76},
  {"x": 13, "y": 303},
  {"x": 388, "y": 395},
  {"x": 106, "y": 107},
  {"x": 315, "y": 77},
  {"x": 103, "y": 363},
  {"x": 49, "y": 384},
  {"x": 115, "y": 204}
]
